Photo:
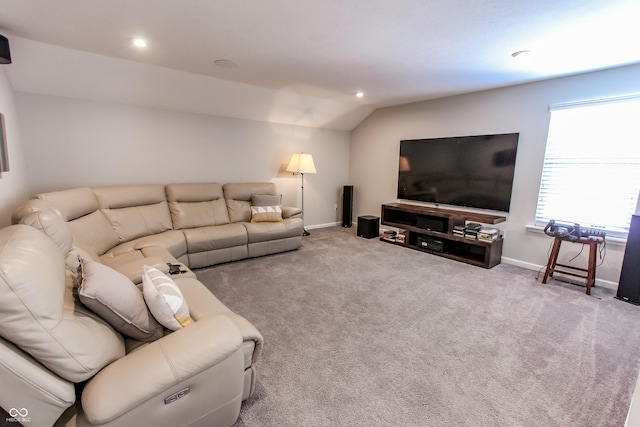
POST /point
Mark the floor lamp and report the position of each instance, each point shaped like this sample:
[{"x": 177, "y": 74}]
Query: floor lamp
[{"x": 301, "y": 163}]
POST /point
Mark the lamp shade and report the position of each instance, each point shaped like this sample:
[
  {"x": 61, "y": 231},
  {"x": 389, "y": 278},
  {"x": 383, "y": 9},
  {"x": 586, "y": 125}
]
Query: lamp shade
[{"x": 301, "y": 163}]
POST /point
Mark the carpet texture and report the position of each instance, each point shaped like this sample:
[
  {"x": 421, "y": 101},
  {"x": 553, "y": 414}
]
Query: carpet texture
[{"x": 359, "y": 332}]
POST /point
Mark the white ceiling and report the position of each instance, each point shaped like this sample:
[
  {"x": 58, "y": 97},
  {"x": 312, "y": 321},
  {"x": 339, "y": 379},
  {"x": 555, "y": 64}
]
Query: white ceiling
[{"x": 301, "y": 61}]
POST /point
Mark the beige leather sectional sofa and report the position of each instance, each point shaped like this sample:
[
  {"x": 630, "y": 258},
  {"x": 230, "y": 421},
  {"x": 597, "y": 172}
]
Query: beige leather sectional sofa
[{"x": 62, "y": 363}]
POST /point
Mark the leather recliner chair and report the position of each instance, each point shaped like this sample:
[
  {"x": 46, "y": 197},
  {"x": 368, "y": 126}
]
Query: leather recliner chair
[{"x": 61, "y": 364}]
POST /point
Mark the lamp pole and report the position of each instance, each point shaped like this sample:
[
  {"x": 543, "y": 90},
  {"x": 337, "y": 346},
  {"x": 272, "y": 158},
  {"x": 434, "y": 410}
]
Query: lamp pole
[
  {"x": 304, "y": 230},
  {"x": 301, "y": 163}
]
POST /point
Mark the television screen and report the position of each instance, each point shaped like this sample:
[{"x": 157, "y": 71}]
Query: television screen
[{"x": 468, "y": 171}]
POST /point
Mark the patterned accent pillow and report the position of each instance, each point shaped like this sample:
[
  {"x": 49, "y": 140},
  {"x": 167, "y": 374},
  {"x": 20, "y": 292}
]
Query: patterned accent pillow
[
  {"x": 116, "y": 299},
  {"x": 164, "y": 299},
  {"x": 266, "y": 214}
]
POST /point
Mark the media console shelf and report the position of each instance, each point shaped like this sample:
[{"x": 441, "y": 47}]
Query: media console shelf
[{"x": 423, "y": 222}]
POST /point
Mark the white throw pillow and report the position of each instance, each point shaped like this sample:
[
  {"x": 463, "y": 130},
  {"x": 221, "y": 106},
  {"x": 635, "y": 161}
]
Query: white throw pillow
[{"x": 164, "y": 299}]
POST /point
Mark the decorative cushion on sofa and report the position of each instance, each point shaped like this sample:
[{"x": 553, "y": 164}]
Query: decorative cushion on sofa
[
  {"x": 165, "y": 299},
  {"x": 115, "y": 298},
  {"x": 266, "y": 213},
  {"x": 266, "y": 200}
]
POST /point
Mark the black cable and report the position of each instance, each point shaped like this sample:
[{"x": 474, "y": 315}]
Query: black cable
[
  {"x": 602, "y": 251},
  {"x": 578, "y": 254}
]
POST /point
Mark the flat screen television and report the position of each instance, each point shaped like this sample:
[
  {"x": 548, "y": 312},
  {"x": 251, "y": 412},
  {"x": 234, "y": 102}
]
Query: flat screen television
[{"x": 467, "y": 171}]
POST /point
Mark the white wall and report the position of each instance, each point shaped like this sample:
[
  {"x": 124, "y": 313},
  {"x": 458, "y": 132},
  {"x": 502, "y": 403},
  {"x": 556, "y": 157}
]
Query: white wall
[
  {"x": 13, "y": 184},
  {"x": 70, "y": 143},
  {"x": 524, "y": 109}
]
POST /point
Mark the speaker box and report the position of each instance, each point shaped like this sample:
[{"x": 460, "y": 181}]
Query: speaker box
[
  {"x": 347, "y": 205},
  {"x": 5, "y": 53},
  {"x": 368, "y": 226},
  {"x": 431, "y": 223},
  {"x": 629, "y": 285}
]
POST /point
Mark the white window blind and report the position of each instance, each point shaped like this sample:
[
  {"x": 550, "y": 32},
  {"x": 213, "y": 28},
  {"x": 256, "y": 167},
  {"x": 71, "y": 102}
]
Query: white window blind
[{"x": 591, "y": 171}]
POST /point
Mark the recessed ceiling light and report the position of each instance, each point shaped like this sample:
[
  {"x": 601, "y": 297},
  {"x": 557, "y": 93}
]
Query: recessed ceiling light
[
  {"x": 521, "y": 53},
  {"x": 139, "y": 42},
  {"x": 359, "y": 94},
  {"x": 226, "y": 63}
]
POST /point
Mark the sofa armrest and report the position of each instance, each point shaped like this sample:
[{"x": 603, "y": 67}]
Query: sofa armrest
[
  {"x": 203, "y": 304},
  {"x": 288, "y": 212},
  {"x": 146, "y": 377},
  {"x": 26, "y": 384}
]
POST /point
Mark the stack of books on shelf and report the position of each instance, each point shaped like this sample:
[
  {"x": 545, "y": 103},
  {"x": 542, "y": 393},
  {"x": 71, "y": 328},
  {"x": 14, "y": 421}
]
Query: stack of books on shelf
[
  {"x": 458, "y": 230},
  {"x": 389, "y": 235},
  {"x": 487, "y": 234},
  {"x": 471, "y": 230},
  {"x": 393, "y": 236}
]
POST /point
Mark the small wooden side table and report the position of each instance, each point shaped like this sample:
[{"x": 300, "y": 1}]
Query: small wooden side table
[{"x": 553, "y": 266}]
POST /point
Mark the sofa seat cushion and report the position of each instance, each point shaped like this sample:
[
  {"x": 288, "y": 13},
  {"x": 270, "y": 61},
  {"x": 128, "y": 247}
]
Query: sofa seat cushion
[
  {"x": 215, "y": 237},
  {"x": 265, "y": 231},
  {"x": 132, "y": 257},
  {"x": 171, "y": 240},
  {"x": 132, "y": 263},
  {"x": 39, "y": 313}
]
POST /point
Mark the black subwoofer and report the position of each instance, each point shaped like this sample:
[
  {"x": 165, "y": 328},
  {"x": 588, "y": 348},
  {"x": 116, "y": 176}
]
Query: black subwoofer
[{"x": 368, "y": 226}]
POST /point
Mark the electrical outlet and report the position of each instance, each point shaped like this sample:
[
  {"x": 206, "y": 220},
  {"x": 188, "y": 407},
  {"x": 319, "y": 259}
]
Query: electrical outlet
[{"x": 335, "y": 207}]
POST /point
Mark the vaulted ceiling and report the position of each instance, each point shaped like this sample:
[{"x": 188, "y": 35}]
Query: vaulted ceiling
[{"x": 301, "y": 62}]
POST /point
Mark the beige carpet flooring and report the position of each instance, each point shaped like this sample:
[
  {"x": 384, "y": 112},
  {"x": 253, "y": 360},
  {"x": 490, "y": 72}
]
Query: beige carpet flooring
[{"x": 359, "y": 332}]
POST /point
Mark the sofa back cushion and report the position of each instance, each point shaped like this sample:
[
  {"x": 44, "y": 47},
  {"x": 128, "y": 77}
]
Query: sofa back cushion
[
  {"x": 196, "y": 205},
  {"x": 52, "y": 225},
  {"x": 90, "y": 228},
  {"x": 134, "y": 210},
  {"x": 238, "y": 198},
  {"x": 73, "y": 203},
  {"x": 39, "y": 313}
]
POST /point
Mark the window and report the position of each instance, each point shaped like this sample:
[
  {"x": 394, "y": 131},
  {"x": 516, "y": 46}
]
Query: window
[{"x": 591, "y": 171}]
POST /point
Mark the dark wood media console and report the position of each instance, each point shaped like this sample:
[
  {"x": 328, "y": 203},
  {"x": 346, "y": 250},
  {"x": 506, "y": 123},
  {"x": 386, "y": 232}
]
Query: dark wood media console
[{"x": 423, "y": 222}]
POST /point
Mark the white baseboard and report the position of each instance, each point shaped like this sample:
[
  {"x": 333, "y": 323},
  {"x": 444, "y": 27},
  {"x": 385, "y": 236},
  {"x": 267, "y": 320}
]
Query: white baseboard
[
  {"x": 541, "y": 269},
  {"x": 329, "y": 224},
  {"x": 523, "y": 264}
]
